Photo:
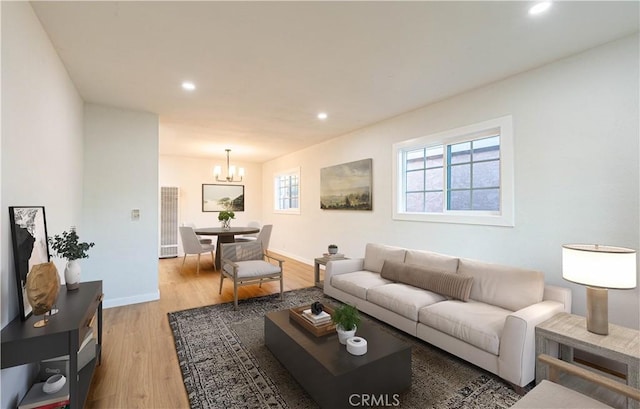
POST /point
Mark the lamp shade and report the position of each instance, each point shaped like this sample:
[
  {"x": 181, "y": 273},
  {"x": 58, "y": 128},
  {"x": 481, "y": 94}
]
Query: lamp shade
[{"x": 599, "y": 266}]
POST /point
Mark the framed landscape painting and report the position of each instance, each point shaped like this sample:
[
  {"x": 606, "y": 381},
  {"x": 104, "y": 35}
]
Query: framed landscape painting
[
  {"x": 347, "y": 186},
  {"x": 216, "y": 198},
  {"x": 29, "y": 235}
]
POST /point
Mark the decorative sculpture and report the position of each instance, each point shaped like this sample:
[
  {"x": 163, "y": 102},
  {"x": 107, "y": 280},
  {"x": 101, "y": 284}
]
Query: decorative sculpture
[
  {"x": 43, "y": 286},
  {"x": 316, "y": 308}
]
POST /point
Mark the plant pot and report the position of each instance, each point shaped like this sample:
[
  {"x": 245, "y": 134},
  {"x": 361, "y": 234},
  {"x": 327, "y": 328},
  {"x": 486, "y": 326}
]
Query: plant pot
[
  {"x": 333, "y": 250},
  {"x": 343, "y": 335},
  {"x": 72, "y": 275}
]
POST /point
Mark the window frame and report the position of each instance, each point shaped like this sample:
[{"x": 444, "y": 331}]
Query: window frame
[
  {"x": 481, "y": 130},
  {"x": 276, "y": 191}
]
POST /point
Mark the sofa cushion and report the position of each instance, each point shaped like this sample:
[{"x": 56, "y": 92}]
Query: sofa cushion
[
  {"x": 447, "y": 284},
  {"x": 253, "y": 268},
  {"x": 504, "y": 286},
  {"x": 403, "y": 299},
  {"x": 358, "y": 282},
  {"x": 432, "y": 261},
  {"x": 475, "y": 323},
  {"x": 376, "y": 254}
]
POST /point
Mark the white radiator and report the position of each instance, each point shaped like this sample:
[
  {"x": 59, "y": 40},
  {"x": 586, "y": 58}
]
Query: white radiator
[{"x": 169, "y": 222}]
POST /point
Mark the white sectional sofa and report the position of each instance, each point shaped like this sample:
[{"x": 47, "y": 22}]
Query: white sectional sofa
[{"x": 481, "y": 312}]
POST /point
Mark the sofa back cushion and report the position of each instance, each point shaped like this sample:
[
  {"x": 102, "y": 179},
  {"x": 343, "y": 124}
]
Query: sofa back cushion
[
  {"x": 432, "y": 261},
  {"x": 503, "y": 286},
  {"x": 447, "y": 284},
  {"x": 376, "y": 254}
]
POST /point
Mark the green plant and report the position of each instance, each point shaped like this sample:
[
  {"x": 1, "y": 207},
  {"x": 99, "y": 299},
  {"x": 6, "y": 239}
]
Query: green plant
[
  {"x": 226, "y": 215},
  {"x": 69, "y": 246},
  {"x": 346, "y": 316}
]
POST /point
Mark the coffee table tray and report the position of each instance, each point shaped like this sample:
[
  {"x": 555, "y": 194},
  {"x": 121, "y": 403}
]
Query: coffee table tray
[{"x": 319, "y": 331}]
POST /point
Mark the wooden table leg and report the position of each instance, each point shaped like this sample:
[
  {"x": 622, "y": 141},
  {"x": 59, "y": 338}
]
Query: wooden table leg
[{"x": 316, "y": 274}]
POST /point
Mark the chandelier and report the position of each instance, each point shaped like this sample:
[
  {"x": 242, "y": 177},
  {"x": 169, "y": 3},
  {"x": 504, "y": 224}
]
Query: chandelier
[{"x": 231, "y": 172}]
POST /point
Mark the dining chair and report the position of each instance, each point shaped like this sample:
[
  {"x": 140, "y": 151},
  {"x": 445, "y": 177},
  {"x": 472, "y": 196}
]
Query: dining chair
[
  {"x": 264, "y": 236},
  {"x": 203, "y": 240},
  {"x": 247, "y": 264},
  {"x": 252, "y": 236},
  {"x": 192, "y": 245}
]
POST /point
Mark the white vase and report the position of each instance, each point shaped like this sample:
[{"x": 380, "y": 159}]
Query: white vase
[
  {"x": 72, "y": 274},
  {"x": 343, "y": 335}
]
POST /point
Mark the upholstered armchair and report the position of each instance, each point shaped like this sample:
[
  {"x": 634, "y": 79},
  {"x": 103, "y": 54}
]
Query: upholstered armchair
[{"x": 246, "y": 263}]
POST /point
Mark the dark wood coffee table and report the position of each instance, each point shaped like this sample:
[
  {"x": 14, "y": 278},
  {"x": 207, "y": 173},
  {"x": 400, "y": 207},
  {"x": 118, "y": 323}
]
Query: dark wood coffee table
[{"x": 333, "y": 377}]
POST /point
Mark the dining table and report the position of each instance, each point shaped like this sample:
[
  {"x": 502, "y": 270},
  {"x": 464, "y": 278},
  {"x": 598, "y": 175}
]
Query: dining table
[{"x": 225, "y": 235}]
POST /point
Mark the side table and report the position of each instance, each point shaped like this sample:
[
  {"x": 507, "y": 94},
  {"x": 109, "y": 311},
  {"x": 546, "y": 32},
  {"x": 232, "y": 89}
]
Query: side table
[
  {"x": 570, "y": 331},
  {"x": 323, "y": 261}
]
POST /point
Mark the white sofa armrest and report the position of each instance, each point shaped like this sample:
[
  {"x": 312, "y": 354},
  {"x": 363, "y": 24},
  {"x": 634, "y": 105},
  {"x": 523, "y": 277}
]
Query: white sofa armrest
[
  {"x": 335, "y": 267},
  {"x": 517, "y": 360},
  {"x": 560, "y": 294}
]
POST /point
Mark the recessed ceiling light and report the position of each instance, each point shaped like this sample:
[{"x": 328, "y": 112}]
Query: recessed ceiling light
[
  {"x": 188, "y": 86},
  {"x": 539, "y": 8},
  {"x": 322, "y": 115}
]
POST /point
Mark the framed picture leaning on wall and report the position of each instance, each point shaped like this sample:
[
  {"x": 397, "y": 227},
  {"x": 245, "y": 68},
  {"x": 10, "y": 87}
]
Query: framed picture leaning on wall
[{"x": 29, "y": 235}]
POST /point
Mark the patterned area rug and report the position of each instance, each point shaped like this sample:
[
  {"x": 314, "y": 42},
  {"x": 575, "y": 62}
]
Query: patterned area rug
[{"x": 225, "y": 364}]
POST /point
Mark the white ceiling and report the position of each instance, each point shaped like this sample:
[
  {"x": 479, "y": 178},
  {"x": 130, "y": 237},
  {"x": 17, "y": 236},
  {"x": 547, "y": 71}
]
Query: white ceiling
[{"x": 263, "y": 70}]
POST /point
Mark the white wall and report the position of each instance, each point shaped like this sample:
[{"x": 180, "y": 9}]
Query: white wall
[
  {"x": 121, "y": 174},
  {"x": 576, "y": 173},
  {"x": 190, "y": 173},
  {"x": 41, "y": 152}
]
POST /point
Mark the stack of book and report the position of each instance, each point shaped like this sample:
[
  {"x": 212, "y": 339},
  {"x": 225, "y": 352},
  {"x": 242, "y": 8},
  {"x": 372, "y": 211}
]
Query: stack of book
[
  {"x": 317, "y": 320},
  {"x": 337, "y": 255},
  {"x": 36, "y": 398}
]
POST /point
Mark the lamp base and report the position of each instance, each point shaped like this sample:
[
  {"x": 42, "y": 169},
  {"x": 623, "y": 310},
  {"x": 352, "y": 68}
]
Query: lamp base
[{"x": 598, "y": 310}]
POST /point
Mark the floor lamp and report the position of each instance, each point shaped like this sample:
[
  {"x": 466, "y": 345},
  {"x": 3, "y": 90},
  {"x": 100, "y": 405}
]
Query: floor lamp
[{"x": 599, "y": 268}]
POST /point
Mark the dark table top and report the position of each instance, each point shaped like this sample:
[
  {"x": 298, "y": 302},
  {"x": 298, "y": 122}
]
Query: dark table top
[{"x": 219, "y": 231}]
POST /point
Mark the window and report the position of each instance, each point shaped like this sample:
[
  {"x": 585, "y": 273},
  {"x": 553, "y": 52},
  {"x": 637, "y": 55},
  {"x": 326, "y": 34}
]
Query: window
[
  {"x": 461, "y": 176},
  {"x": 287, "y": 191}
]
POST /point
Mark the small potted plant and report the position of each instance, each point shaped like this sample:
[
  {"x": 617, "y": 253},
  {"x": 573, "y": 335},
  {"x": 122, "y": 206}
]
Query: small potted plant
[
  {"x": 346, "y": 317},
  {"x": 69, "y": 247},
  {"x": 225, "y": 217},
  {"x": 333, "y": 249}
]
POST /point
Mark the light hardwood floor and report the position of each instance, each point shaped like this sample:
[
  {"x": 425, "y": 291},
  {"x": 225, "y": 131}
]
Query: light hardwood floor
[{"x": 139, "y": 364}]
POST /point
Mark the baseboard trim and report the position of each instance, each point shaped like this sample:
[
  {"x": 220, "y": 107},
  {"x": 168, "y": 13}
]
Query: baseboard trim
[
  {"x": 292, "y": 256},
  {"x": 136, "y": 299}
]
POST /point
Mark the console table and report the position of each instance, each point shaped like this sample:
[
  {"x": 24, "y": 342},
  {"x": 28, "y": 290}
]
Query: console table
[
  {"x": 23, "y": 344},
  {"x": 570, "y": 332}
]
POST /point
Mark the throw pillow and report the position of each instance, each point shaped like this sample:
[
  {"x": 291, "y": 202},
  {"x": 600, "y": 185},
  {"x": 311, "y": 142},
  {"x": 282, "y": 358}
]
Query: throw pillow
[{"x": 451, "y": 285}]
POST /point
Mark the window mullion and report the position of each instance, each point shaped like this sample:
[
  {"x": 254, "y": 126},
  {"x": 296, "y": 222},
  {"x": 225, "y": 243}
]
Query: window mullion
[
  {"x": 447, "y": 185},
  {"x": 471, "y": 167}
]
